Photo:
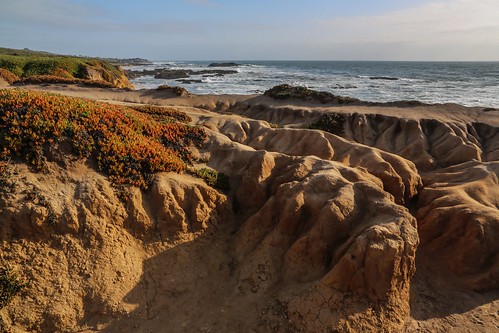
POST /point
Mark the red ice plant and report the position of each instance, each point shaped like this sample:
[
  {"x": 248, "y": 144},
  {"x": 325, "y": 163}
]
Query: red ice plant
[{"x": 128, "y": 145}]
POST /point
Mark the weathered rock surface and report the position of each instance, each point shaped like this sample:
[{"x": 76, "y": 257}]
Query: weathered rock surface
[
  {"x": 319, "y": 231},
  {"x": 399, "y": 176},
  {"x": 81, "y": 248}
]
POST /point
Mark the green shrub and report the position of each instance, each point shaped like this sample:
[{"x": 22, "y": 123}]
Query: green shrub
[
  {"x": 329, "y": 122},
  {"x": 12, "y": 64},
  {"x": 9, "y": 286},
  {"x": 213, "y": 178}
]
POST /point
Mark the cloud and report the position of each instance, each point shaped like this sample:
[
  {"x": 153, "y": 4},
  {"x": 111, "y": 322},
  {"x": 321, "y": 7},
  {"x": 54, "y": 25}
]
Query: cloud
[{"x": 468, "y": 22}]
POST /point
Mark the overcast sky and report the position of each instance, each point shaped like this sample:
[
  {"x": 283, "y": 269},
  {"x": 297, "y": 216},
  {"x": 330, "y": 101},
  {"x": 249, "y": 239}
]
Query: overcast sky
[{"x": 257, "y": 29}]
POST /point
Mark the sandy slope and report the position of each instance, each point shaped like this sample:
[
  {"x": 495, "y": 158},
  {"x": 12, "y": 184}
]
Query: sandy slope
[{"x": 392, "y": 227}]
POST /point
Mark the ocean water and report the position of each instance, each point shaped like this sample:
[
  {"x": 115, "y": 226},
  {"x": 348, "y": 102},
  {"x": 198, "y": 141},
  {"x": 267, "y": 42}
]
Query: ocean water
[{"x": 465, "y": 83}]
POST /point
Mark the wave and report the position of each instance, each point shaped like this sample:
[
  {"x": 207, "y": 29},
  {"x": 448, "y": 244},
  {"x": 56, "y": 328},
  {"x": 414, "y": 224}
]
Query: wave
[{"x": 433, "y": 83}]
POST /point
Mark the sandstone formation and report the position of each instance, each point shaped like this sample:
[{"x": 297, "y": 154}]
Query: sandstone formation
[{"x": 390, "y": 226}]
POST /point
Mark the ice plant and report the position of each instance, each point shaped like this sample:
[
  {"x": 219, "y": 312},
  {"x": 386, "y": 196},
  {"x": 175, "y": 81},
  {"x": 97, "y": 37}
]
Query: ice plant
[{"x": 127, "y": 144}]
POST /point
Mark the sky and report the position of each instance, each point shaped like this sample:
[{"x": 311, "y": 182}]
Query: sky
[{"x": 438, "y": 30}]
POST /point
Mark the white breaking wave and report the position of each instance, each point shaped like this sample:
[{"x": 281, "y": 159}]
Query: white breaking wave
[{"x": 471, "y": 84}]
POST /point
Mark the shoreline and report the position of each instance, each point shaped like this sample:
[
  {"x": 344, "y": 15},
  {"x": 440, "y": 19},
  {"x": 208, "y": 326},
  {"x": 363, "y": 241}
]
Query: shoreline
[
  {"x": 213, "y": 102},
  {"x": 470, "y": 84}
]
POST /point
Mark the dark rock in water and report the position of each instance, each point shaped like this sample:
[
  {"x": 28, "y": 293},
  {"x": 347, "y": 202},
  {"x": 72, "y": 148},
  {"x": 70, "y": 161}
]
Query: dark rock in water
[
  {"x": 186, "y": 81},
  {"x": 172, "y": 74},
  {"x": 388, "y": 78},
  {"x": 286, "y": 91},
  {"x": 135, "y": 74},
  {"x": 224, "y": 64},
  {"x": 217, "y": 72}
]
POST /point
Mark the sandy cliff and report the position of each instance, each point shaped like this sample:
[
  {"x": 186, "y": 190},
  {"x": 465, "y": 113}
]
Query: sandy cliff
[{"x": 390, "y": 225}]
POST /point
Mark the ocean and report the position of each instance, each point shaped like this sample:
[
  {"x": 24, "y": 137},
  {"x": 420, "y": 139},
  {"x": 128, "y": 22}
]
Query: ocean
[{"x": 465, "y": 83}]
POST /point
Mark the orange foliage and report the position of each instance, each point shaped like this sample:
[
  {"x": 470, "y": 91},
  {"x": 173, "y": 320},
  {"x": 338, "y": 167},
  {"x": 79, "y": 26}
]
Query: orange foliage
[
  {"x": 128, "y": 145},
  {"x": 8, "y": 76}
]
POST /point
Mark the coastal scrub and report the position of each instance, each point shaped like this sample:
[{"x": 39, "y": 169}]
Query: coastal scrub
[
  {"x": 35, "y": 68},
  {"x": 329, "y": 122},
  {"x": 128, "y": 145}
]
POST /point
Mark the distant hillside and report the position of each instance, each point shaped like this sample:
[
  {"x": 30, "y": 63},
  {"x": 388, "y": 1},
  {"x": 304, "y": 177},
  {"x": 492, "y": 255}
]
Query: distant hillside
[
  {"x": 28, "y": 66},
  {"x": 25, "y": 52}
]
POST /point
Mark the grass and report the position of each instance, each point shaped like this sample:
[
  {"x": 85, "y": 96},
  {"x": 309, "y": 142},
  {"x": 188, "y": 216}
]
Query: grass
[
  {"x": 9, "y": 286},
  {"x": 24, "y": 52},
  {"x": 27, "y": 64},
  {"x": 128, "y": 145}
]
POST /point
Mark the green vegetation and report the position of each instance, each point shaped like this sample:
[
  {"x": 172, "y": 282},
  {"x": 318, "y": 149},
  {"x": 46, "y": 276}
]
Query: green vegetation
[
  {"x": 9, "y": 286},
  {"x": 329, "y": 122},
  {"x": 212, "y": 177},
  {"x": 128, "y": 145},
  {"x": 40, "y": 79},
  {"x": 35, "y": 67},
  {"x": 24, "y": 52}
]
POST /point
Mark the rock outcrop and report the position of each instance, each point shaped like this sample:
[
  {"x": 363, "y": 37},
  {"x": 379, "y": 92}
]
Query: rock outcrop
[
  {"x": 318, "y": 231},
  {"x": 81, "y": 247}
]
